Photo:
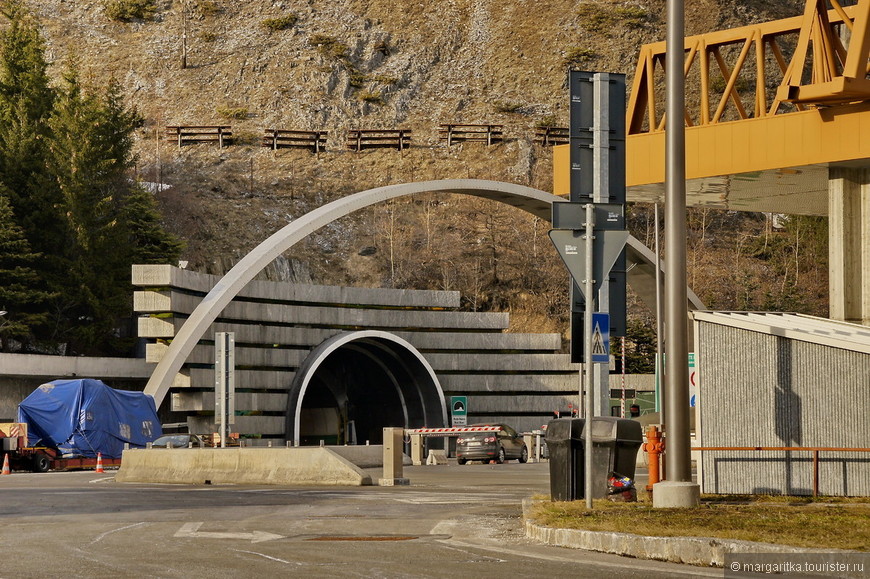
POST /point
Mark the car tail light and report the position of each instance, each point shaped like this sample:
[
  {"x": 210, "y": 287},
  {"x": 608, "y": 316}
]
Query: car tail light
[
  {"x": 489, "y": 439},
  {"x": 460, "y": 441}
]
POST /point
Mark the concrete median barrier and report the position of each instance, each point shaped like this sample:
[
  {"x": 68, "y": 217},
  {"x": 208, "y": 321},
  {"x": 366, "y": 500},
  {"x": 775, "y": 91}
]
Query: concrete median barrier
[{"x": 261, "y": 466}]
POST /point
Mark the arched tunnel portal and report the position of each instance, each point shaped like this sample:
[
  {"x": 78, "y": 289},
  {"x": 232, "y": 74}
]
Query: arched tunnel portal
[
  {"x": 356, "y": 383},
  {"x": 641, "y": 275}
]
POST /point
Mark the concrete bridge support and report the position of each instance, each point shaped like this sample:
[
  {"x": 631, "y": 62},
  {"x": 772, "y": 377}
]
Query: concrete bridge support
[{"x": 849, "y": 244}]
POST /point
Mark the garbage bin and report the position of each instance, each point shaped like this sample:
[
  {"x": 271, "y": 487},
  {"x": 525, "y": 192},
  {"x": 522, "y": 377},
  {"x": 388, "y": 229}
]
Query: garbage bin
[
  {"x": 565, "y": 448},
  {"x": 614, "y": 446},
  {"x": 615, "y": 442}
]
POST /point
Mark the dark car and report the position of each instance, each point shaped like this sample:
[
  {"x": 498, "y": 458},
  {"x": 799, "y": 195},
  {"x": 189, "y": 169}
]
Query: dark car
[
  {"x": 178, "y": 441},
  {"x": 500, "y": 444}
]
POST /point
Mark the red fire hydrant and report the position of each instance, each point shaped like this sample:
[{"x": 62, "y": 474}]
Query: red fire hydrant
[{"x": 655, "y": 446}]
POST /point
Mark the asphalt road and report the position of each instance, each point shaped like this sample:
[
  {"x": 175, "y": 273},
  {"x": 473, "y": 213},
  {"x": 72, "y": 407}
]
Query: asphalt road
[{"x": 452, "y": 521}]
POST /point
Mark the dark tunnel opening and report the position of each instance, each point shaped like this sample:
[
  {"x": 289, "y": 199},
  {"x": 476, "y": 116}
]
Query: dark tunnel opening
[{"x": 355, "y": 384}]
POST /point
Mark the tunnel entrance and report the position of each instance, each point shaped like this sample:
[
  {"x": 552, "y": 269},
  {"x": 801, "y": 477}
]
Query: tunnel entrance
[{"x": 356, "y": 383}]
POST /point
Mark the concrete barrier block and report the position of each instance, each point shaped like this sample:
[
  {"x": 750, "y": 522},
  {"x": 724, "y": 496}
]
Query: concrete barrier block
[
  {"x": 436, "y": 457},
  {"x": 264, "y": 466}
]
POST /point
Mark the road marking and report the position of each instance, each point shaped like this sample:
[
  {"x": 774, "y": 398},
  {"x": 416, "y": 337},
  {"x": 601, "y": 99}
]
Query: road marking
[
  {"x": 100, "y": 536},
  {"x": 191, "y": 531},
  {"x": 297, "y": 563}
]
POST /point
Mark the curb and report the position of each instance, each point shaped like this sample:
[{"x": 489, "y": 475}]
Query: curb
[{"x": 700, "y": 551}]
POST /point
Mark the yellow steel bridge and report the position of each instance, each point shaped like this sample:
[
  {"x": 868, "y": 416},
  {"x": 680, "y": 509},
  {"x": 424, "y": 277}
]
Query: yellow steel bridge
[{"x": 777, "y": 119}]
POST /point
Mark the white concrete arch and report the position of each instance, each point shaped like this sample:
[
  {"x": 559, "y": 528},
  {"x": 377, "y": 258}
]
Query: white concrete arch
[{"x": 534, "y": 201}]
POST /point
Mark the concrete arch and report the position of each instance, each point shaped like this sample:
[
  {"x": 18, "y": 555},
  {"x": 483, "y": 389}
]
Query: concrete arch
[
  {"x": 417, "y": 387},
  {"x": 534, "y": 201}
]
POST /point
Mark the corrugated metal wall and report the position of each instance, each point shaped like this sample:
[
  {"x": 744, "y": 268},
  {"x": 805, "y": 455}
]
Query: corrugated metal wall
[{"x": 758, "y": 389}]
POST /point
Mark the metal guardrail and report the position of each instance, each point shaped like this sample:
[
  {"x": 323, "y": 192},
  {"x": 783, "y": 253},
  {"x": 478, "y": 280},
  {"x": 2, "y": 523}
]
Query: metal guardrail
[
  {"x": 488, "y": 134},
  {"x": 287, "y": 138},
  {"x": 220, "y": 134},
  {"x": 358, "y": 139}
]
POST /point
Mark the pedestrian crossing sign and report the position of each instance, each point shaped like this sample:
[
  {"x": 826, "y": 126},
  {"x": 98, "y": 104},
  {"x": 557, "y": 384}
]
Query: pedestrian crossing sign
[{"x": 601, "y": 338}]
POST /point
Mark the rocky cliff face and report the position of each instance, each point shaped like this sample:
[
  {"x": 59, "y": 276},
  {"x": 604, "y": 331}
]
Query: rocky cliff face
[{"x": 347, "y": 64}]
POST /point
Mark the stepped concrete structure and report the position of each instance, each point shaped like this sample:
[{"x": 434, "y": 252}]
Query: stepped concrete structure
[{"x": 338, "y": 364}]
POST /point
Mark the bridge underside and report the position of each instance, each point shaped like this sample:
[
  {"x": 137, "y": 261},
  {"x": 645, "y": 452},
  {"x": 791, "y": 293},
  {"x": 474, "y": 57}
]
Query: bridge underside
[
  {"x": 799, "y": 190},
  {"x": 775, "y": 164}
]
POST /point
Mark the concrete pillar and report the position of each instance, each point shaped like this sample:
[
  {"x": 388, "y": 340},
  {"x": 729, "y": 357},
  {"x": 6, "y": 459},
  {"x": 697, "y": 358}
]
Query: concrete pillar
[
  {"x": 849, "y": 244},
  {"x": 393, "y": 456},
  {"x": 416, "y": 449},
  {"x": 676, "y": 494}
]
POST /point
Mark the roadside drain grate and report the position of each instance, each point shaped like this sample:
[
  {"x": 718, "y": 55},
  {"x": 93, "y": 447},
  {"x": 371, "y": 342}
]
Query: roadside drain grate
[{"x": 380, "y": 538}]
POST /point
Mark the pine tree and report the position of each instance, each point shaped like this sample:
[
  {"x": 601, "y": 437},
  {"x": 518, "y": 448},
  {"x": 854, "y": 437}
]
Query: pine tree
[
  {"x": 149, "y": 242},
  {"x": 22, "y": 294},
  {"x": 111, "y": 223},
  {"x": 26, "y": 101}
]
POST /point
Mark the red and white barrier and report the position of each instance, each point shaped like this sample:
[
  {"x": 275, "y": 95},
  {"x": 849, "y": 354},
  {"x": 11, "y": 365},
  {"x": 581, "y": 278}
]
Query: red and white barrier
[{"x": 456, "y": 430}]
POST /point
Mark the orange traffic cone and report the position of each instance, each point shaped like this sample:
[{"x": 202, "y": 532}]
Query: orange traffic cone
[
  {"x": 6, "y": 465},
  {"x": 99, "y": 462}
]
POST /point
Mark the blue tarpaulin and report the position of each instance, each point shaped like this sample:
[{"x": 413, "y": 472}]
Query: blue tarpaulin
[{"x": 83, "y": 417}]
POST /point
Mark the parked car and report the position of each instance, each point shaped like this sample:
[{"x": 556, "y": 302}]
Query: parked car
[
  {"x": 501, "y": 445},
  {"x": 178, "y": 441}
]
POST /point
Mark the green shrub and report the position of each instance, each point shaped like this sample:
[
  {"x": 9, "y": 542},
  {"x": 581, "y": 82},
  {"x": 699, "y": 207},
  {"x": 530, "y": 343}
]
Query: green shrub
[
  {"x": 507, "y": 107},
  {"x": 329, "y": 46},
  {"x": 601, "y": 18},
  {"x": 579, "y": 55},
  {"x": 240, "y": 113},
  {"x": 208, "y": 7},
  {"x": 129, "y": 10},
  {"x": 283, "y": 23},
  {"x": 375, "y": 98},
  {"x": 631, "y": 16},
  {"x": 383, "y": 79},
  {"x": 356, "y": 79},
  {"x": 595, "y": 17}
]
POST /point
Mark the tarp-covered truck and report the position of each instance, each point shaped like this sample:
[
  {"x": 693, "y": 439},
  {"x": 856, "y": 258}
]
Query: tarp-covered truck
[{"x": 66, "y": 424}]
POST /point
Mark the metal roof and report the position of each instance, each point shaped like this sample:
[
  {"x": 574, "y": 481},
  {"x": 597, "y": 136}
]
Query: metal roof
[{"x": 833, "y": 333}]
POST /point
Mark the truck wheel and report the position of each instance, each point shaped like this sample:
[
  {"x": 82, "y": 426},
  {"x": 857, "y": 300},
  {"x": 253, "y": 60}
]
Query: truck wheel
[{"x": 41, "y": 463}]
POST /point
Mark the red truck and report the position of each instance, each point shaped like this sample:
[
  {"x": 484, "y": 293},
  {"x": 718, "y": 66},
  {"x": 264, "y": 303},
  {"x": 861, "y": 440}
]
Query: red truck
[{"x": 13, "y": 444}]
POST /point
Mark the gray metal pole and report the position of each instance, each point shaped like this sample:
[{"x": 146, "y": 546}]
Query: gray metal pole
[
  {"x": 678, "y": 454},
  {"x": 587, "y": 340},
  {"x": 660, "y": 408}
]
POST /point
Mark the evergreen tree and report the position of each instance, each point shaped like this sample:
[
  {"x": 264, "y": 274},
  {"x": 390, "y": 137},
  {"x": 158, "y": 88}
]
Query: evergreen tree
[
  {"x": 87, "y": 162},
  {"x": 26, "y": 101},
  {"x": 112, "y": 222},
  {"x": 149, "y": 242},
  {"x": 22, "y": 294}
]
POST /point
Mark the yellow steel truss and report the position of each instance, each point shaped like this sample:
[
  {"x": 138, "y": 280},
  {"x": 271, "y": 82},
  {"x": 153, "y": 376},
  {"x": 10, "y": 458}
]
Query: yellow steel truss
[{"x": 829, "y": 48}]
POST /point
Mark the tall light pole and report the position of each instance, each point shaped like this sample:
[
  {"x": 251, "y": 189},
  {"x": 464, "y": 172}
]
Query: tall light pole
[{"x": 678, "y": 490}]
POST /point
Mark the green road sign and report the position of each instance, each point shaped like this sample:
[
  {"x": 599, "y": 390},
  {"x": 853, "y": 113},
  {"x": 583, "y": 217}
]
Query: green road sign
[{"x": 459, "y": 410}]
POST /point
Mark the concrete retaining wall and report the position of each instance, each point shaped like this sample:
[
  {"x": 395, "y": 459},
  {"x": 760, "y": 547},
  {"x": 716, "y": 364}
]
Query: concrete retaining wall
[
  {"x": 515, "y": 378},
  {"x": 260, "y": 466}
]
